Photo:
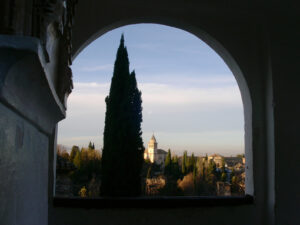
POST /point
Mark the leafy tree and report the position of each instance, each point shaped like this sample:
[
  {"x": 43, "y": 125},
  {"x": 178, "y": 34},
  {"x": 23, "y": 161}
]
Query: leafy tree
[
  {"x": 232, "y": 174},
  {"x": 212, "y": 167},
  {"x": 65, "y": 155},
  {"x": 83, "y": 192},
  {"x": 62, "y": 152},
  {"x": 123, "y": 149},
  {"x": 147, "y": 161},
  {"x": 211, "y": 177},
  {"x": 224, "y": 177},
  {"x": 84, "y": 157},
  {"x": 206, "y": 157},
  {"x": 240, "y": 155},
  {"x": 74, "y": 151},
  {"x": 77, "y": 160}
]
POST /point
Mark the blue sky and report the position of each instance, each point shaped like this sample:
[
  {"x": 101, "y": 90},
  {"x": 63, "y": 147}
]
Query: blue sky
[{"x": 191, "y": 100}]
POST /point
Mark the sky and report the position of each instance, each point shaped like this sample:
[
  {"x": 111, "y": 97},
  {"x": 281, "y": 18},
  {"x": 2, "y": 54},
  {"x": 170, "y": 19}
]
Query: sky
[{"x": 191, "y": 100}]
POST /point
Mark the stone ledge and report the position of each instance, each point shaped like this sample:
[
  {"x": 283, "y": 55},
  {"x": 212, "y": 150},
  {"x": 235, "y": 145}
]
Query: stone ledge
[{"x": 152, "y": 202}]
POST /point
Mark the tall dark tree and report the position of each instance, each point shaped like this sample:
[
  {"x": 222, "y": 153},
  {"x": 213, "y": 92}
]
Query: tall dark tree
[
  {"x": 168, "y": 163},
  {"x": 184, "y": 163},
  {"x": 90, "y": 145},
  {"x": 123, "y": 149}
]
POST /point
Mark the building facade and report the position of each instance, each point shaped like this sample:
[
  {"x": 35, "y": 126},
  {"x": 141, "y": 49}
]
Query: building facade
[
  {"x": 218, "y": 159},
  {"x": 154, "y": 154}
]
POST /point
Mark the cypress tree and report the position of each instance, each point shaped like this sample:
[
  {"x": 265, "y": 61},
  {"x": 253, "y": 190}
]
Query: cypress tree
[
  {"x": 122, "y": 155},
  {"x": 90, "y": 145},
  {"x": 175, "y": 159},
  {"x": 195, "y": 177},
  {"x": 184, "y": 163},
  {"x": 149, "y": 172},
  {"x": 176, "y": 172},
  {"x": 168, "y": 163}
]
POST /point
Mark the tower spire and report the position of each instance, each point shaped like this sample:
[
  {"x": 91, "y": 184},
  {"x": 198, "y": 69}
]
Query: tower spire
[{"x": 122, "y": 39}]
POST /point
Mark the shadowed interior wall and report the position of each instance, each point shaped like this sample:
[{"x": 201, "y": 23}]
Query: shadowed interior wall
[{"x": 23, "y": 171}]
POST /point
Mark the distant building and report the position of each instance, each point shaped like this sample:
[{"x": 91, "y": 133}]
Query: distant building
[
  {"x": 239, "y": 167},
  {"x": 217, "y": 159},
  {"x": 154, "y": 154},
  {"x": 232, "y": 161}
]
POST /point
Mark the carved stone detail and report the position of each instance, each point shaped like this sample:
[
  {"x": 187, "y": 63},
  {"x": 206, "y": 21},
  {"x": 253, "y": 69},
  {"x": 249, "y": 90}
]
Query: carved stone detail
[
  {"x": 65, "y": 84},
  {"x": 32, "y": 18}
]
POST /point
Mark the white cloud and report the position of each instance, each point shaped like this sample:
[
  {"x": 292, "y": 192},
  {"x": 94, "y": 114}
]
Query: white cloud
[
  {"x": 91, "y": 85},
  {"x": 106, "y": 67},
  {"x": 156, "y": 93},
  {"x": 190, "y": 79},
  {"x": 89, "y": 99},
  {"x": 163, "y": 104}
]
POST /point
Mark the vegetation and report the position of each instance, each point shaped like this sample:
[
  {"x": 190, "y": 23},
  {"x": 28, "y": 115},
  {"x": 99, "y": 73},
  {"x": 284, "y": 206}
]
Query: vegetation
[
  {"x": 202, "y": 176},
  {"x": 123, "y": 149},
  {"x": 82, "y": 170}
]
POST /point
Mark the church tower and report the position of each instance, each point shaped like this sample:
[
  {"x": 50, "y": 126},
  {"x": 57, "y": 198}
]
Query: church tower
[{"x": 152, "y": 149}]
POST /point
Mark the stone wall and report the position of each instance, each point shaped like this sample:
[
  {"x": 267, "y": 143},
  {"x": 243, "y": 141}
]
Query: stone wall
[
  {"x": 23, "y": 171},
  {"x": 29, "y": 111}
]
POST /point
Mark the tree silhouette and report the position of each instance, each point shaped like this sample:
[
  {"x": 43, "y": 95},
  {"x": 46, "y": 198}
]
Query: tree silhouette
[
  {"x": 168, "y": 163},
  {"x": 184, "y": 163},
  {"x": 123, "y": 149}
]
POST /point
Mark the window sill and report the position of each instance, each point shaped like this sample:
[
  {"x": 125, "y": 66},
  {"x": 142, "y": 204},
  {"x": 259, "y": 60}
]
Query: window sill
[{"x": 152, "y": 202}]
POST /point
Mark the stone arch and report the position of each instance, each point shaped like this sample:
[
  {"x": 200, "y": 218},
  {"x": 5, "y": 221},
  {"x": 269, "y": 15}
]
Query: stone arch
[{"x": 217, "y": 46}]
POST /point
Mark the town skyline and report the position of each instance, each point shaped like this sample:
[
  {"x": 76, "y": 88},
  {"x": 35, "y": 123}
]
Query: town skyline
[{"x": 177, "y": 153}]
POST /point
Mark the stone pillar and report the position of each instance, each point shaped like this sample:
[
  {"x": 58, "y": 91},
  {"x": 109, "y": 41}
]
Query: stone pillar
[{"x": 29, "y": 111}]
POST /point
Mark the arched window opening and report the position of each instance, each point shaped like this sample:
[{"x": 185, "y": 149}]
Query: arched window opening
[{"x": 193, "y": 119}]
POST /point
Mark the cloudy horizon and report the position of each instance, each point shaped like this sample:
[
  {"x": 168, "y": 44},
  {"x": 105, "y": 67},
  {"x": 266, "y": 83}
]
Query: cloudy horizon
[{"x": 191, "y": 100}]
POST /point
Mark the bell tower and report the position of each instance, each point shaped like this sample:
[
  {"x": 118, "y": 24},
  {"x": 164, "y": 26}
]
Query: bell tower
[{"x": 152, "y": 149}]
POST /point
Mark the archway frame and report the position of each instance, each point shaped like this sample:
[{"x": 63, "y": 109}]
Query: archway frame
[{"x": 221, "y": 51}]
